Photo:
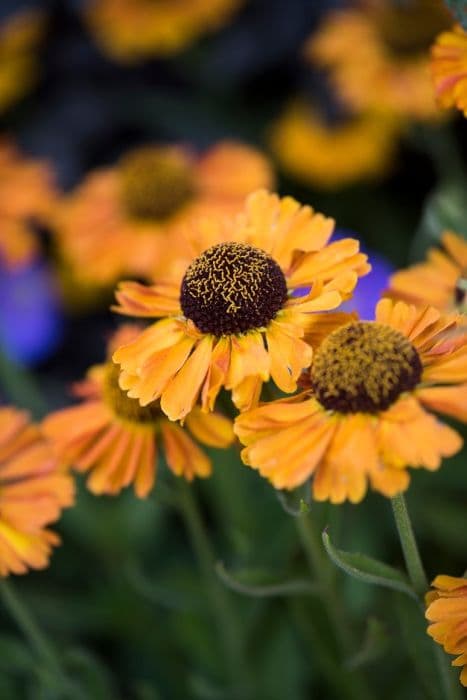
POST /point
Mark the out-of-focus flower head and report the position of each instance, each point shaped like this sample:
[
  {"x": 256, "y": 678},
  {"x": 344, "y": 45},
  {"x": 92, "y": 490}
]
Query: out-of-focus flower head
[
  {"x": 449, "y": 69},
  {"x": 117, "y": 441},
  {"x": 440, "y": 281},
  {"x": 332, "y": 153},
  {"x": 362, "y": 417},
  {"x": 447, "y": 613},
  {"x": 33, "y": 492},
  {"x": 230, "y": 317},
  {"x": 27, "y": 195},
  {"x": 20, "y": 34},
  {"x": 377, "y": 55},
  {"x": 133, "y": 30},
  {"x": 31, "y": 319},
  {"x": 120, "y": 221}
]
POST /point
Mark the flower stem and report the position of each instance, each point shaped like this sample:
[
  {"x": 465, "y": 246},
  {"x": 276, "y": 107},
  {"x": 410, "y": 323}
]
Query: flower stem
[
  {"x": 322, "y": 572},
  {"x": 219, "y": 599},
  {"x": 37, "y": 640},
  {"x": 409, "y": 545},
  {"x": 449, "y": 686}
]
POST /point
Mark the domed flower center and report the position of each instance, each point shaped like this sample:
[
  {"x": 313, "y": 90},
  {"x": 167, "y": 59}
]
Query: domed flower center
[
  {"x": 232, "y": 288},
  {"x": 122, "y": 405},
  {"x": 155, "y": 182},
  {"x": 409, "y": 27},
  {"x": 460, "y": 294},
  {"x": 364, "y": 367}
]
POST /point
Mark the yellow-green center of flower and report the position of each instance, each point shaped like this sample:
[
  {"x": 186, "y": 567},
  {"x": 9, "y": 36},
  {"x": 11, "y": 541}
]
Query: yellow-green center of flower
[
  {"x": 122, "y": 405},
  {"x": 364, "y": 367},
  {"x": 409, "y": 27},
  {"x": 232, "y": 288},
  {"x": 155, "y": 182},
  {"x": 460, "y": 294}
]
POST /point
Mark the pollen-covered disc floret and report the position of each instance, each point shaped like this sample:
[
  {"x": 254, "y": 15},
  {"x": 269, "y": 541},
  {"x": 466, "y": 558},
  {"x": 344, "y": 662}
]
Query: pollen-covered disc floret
[
  {"x": 122, "y": 405},
  {"x": 155, "y": 182},
  {"x": 364, "y": 367},
  {"x": 232, "y": 288}
]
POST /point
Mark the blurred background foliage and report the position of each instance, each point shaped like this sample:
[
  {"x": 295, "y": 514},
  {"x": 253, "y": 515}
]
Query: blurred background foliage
[{"x": 128, "y": 601}]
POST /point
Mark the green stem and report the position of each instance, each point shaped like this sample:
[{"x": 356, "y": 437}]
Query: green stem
[
  {"x": 323, "y": 572},
  {"x": 450, "y": 687},
  {"x": 37, "y": 640},
  {"x": 20, "y": 387},
  {"x": 226, "y": 619},
  {"x": 409, "y": 545}
]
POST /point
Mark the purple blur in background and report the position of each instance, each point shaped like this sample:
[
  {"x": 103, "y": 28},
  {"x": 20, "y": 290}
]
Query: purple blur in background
[{"x": 31, "y": 319}]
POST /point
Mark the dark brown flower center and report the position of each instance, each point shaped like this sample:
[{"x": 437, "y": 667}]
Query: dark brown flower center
[
  {"x": 122, "y": 405},
  {"x": 155, "y": 182},
  {"x": 232, "y": 288},
  {"x": 409, "y": 27},
  {"x": 364, "y": 367}
]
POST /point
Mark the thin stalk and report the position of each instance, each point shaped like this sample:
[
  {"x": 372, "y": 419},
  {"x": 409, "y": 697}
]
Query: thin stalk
[
  {"x": 36, "y": 639},
  {"x": 226, "y": 619},
  {"x": 322, "y": 572},
  {"x": 409, "y": 545},
  {"x": 449, "y": 685}
]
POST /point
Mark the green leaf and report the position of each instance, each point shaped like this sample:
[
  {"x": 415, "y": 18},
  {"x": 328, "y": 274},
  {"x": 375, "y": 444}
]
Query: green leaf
[{"x": 367, "y": 569}]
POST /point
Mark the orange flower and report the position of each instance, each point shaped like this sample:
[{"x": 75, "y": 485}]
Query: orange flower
[
  {"x": 377, "y": 55},
  {"x": 116, "y": 440},
  {"x": 362, "y": 417},
  {"x": 449, "y": 69},
  {"x": 332, "y": 155},
  {"x": 440, "y": 281},
  {"x": 447, "y": 611},
  {"x": 26, "y": 193},
  {"x": 19, "y": 36},
  {"x": 132, "y": 30},
  {"x": 229, "y": 315},
  {"x": 33, "y": 492},
  {"x": 118, "y": 221}
]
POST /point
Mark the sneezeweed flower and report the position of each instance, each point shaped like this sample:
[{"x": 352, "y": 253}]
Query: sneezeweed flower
[
  {"x": 449, "y": 69},
  {"x": 441, "y": 280},
  {"x": 362, "y": 417},
  {"x": 377, "y": 55},
  {"x": 330, "y": 154},
  {"x": 115, "y": 440},
  {"x": 20, "y": 34},
  {"x": 119, "y": 220},
  {"x": 447, "y": 613},
  {"x": 229, "y": 316},
  {"x": 133, "y": 30},
  {"x": 33, "y": 492},
  {"x": 27, "y": 194}
]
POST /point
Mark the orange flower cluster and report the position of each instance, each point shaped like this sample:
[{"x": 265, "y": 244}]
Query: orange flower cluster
[
  {"x": 27, "y": 194},
  {"x": 33, "y": 492}
]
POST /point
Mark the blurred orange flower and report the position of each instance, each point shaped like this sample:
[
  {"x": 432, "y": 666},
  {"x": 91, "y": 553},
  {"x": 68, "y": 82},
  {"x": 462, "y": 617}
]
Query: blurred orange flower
[
  {"x": 19, "y": 35},
  {"x": 118, "y": 222},
  {"x": 440, "y": 281},
  {"x": 229, "y": 314},
  {"x": 362, "y": 417},
  {"x": 27, "y": 193},
  {"x": 132, "y": 30},
  {"x": 378, "y": 55},
  {"x": 117, "y": 440},
  {"x": 332, "y": 155},
  {"x": 449, "y": 69},
  {"x": 447, "y": 612},
  {"x": 33, "y": 491}
]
